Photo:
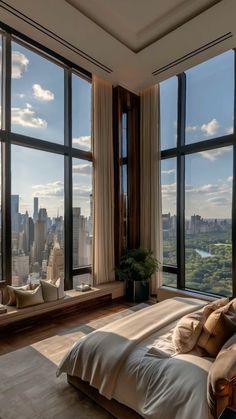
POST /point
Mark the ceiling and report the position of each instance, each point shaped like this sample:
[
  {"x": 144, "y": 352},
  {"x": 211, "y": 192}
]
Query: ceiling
[
  {"x": 137, "y": 23},
  {"x": 133, "y": 43}
]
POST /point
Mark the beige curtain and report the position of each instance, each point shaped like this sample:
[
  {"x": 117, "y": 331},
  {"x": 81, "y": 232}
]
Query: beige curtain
[
  {"x": 103, "y": 267},
  {"x": 151, "y": 213}
]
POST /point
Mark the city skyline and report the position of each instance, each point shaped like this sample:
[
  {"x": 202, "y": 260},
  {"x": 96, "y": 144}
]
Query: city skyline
[{"x": 38, "y": 242}]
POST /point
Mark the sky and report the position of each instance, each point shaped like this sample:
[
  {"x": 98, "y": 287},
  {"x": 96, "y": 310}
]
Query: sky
[
  {"x": 209, "y": 114},
  {"x": 37, "y": 110}
]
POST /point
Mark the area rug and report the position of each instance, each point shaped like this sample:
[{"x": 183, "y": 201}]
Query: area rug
[{"x": 29, "y": 388}]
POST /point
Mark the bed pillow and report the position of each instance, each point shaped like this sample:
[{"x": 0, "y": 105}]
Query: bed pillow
[
  {"x": 27, "y": 298},
  {"x": 214, "y": 305},
  {"x": 218, "y": 328},
  {"x": 187, "y": 331}
]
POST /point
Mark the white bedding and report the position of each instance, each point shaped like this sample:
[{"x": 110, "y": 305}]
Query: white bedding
[{"x": 132, "y": 360}]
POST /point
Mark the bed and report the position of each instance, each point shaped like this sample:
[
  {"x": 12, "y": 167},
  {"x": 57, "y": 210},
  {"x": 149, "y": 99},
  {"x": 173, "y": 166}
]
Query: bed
[{"x": 132, "y": 363}]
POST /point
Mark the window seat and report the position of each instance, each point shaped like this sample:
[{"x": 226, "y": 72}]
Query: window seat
[{"x": 73, "y": 301}]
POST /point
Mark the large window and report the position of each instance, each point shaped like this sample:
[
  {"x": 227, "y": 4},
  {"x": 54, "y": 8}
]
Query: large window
[
  {"x": 46, "y": 160},
  {"x": 197, "y": 175}
]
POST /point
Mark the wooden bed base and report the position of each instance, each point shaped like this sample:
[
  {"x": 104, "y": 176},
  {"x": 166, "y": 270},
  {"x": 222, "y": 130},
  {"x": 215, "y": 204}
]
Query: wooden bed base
[{"x": 118, "y": 410}]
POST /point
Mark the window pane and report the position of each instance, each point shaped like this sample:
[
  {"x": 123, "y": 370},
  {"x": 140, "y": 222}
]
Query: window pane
[
  {"x": 37, "y": 211},
  {"x": 124, "y": 135},
  {"x": 208, "y": 225},
  {"x": 1, "y": 276},
  {"x": 82, "y": 213},
  {"x": 168, "y": 181},
  {"x": 210, "y": 99},
  {"x": 0, "y": 81},
  {"x": 81, "y": 113},
  {"x": 168, "y": 113},
  {"x": 170, "y": 280},
  {"x": 124, "y": 208},
  {"x": 37, "y": 96}
]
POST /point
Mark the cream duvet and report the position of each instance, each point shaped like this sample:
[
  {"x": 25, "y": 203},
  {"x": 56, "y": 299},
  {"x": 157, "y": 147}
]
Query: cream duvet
[{"x": 132, "y": 360}]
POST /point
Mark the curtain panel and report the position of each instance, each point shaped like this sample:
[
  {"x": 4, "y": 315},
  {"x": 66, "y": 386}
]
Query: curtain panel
[
  {"x": 151, "y": 211},
  {"x": 103, "y": 266}
]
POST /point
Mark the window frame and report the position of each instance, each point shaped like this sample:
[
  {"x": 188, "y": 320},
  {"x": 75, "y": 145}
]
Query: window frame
[
  {"x": 179, "y": 152},
  {"x": 8, "y": 138}
]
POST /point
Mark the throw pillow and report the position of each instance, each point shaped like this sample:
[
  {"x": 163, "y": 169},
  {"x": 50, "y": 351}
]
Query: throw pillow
[
  {"x": 11, "y": 293},
  {"x": 27, "y": 298},
  {"x": 187, "y": 331},
  {"x": 218, "y": 328},
  {"x": 52, "y": 290}
]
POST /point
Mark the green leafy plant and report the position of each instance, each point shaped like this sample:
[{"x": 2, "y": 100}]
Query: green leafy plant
[{"x": 137, "y": 265}]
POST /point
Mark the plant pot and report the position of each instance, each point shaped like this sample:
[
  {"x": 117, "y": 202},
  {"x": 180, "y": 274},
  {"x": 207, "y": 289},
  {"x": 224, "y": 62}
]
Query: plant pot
[{"x": 137, "y": 291}]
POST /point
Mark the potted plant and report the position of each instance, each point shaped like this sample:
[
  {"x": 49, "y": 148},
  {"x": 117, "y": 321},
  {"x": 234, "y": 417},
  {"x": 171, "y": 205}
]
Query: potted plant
[{"x": 136, "y": 267}]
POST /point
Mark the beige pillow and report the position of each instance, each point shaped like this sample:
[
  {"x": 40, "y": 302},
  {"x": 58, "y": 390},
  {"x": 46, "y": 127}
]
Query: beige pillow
[
  {"x": 218, "y": 328},
  {"x": 52, "y": 290},
  {"x": 29, "y": 297},
  {"x": 11, "y": 293},
  {"x": 214, "y": 305},
  {"x": 187, "y": 331}
]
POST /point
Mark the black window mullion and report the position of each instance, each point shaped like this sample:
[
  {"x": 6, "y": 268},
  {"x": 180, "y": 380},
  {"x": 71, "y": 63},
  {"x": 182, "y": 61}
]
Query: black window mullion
[
  {"x": 6, "y": 159},
  {"x": 234, "y": 192},
  {"x": 68, "y": 180},
  {"x": 181, "y": 182}
]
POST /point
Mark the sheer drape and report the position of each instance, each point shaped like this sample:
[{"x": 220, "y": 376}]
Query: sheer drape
[
  {"x": 151, "y": 213},
  {"x": 103, "y": 267}
]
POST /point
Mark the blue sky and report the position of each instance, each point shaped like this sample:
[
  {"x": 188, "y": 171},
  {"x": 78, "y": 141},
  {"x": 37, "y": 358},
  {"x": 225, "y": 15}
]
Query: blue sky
[
  {"x": 38, "y": 111},
  {"x": 209, "y": 114}
]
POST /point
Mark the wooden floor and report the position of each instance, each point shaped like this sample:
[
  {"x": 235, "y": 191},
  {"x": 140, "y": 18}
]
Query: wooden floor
[{"x": 17, "y": 339}]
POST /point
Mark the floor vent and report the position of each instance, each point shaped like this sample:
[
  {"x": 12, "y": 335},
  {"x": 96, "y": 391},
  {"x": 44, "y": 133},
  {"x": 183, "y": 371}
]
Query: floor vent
[{"x": 191, "y": 54}]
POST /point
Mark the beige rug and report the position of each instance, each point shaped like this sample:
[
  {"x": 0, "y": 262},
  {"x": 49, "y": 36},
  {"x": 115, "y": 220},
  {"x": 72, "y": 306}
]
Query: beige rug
[{"x": 29, "y": 388}]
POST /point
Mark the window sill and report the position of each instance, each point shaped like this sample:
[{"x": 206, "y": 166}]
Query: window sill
[
  {"x": 165, "y": 292},
  {"x": 72, "y": 298}
]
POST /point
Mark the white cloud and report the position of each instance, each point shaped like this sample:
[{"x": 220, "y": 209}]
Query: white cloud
[
  {"x": 229, "y": 130},
  {"x": 82, "y": 190},
  {"x": 42, "y": 94},
  {"x": 213, "y": 155},
  {"x": 21, "y": 95},
  {"x": 49, "y": 190},
  {"x": 168, "y": 172},
  {"x": 82, "y": 169},
  {"x": 192, "y": 128},
  {"x": 26, "y": 117},
  {"x": 230, "y": 179},
  {"x": 210, "y": 128},
  {"x": 84, "y": 142},
  {"x": 19, "y": 64}
]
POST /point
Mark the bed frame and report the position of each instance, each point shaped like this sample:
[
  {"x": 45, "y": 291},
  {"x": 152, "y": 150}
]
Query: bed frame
[
  {"x": 224, "y": 398},
  {"x": 118, "y": 410}
]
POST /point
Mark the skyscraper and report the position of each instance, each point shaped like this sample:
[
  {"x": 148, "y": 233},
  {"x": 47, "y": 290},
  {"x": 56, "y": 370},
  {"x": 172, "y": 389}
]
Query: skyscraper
[
  {"x": 55, "y": 267},
  {"x": 36, "y": 209},
  {"x": 15, "y": 212}
]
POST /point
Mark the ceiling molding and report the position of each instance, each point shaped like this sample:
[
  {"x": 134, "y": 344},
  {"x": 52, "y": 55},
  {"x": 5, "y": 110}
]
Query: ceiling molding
[
  {"x": 153, "y": 39},
  {"x": 53, "y": 35}
]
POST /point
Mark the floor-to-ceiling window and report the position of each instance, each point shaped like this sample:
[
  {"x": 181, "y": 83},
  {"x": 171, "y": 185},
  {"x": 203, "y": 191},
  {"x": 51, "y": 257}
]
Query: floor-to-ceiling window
[
  {"x": 46, "y": 165},
  {"x": 197, "y": 174}
]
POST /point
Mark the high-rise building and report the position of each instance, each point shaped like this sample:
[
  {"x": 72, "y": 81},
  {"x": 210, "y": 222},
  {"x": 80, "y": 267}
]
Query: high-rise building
[
  {"x": 15, "y": 212},
  {"x": 36, "y": 209},
  {"x": 76, "y": 232},
  {"x": 55, "y": 267},
  {"x": 40, "y": 234}
]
